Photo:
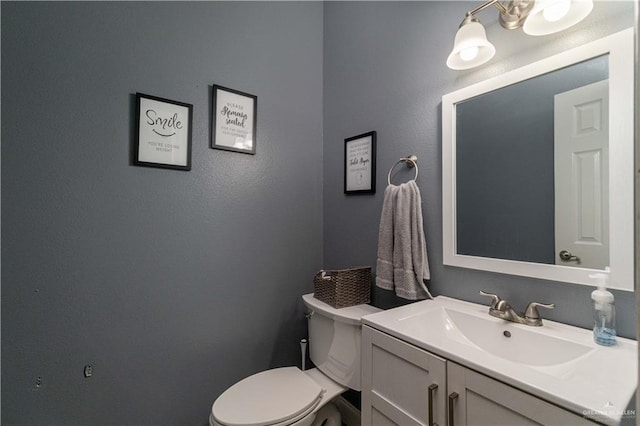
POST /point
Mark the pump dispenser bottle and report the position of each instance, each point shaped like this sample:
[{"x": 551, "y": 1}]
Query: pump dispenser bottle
[{"x": 604, "y": 313}]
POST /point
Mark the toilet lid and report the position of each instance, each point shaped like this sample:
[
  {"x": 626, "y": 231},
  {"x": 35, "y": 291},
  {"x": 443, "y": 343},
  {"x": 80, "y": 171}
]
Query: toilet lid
[{"x": 266, "y": 398}]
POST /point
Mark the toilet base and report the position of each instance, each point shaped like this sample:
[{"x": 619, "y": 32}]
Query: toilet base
[{"x": 328, "y": 415}]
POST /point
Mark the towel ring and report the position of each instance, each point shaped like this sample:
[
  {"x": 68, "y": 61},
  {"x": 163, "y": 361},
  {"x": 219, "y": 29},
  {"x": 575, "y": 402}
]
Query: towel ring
[{"x": 411, "y": 161}]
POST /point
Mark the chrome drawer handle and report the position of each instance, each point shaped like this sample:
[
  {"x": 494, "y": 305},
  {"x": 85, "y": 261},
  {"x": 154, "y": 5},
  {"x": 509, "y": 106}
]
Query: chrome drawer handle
[
  {"x": 432, "y": 390},
  {"x": 452, "y": 399}
]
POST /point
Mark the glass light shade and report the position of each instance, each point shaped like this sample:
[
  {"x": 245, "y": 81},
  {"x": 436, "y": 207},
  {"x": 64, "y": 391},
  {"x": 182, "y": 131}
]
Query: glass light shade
[
  {"x": 537, "y": 24},
  {"x": 469, "y": 38}
]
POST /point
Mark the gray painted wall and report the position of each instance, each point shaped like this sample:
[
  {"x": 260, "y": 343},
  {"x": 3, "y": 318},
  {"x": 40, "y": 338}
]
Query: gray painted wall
[
  {"x": 384, "y": 70},
  {"x": 172, "y": 284}
]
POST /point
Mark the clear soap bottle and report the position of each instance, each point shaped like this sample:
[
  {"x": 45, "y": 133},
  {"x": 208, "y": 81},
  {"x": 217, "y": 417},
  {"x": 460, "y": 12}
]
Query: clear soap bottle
[{"x": 604, "y": 312}]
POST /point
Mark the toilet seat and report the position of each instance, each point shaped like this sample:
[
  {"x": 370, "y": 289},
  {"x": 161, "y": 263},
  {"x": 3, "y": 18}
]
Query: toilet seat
[{"x": 274, "y": 397}]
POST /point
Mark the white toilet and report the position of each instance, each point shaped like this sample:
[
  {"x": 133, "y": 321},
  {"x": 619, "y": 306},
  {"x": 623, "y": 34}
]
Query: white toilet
[{"x": 289, "y": 396}]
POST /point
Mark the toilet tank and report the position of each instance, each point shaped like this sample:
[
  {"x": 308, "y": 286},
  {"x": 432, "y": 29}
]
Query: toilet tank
[{"x": 334, "y": 339}]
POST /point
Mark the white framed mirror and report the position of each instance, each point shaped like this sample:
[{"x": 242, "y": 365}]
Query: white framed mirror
[{"x": 538, "y": 173}]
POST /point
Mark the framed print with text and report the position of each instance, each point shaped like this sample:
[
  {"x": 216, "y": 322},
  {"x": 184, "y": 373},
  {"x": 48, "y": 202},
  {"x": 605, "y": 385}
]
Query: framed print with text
[
  {"x": 163, "y": 137},
  {"x": 233, "y": 125},
  {"x": 360, "y": 164}
]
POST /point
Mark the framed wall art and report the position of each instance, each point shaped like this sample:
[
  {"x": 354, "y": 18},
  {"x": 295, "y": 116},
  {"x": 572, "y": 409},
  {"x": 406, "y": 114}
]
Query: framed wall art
[
  {"x": 233, "y": 125},
  {"x": 163, "y": 137},
  {"x": 360, "y": 164}
]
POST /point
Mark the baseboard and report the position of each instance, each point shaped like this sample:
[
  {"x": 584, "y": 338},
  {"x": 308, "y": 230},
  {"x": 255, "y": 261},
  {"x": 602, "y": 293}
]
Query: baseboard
[{"x": 350, "y": 414}]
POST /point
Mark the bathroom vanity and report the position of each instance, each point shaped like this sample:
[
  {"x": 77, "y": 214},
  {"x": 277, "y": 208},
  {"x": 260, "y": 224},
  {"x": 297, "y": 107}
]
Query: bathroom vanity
[{"x": 447, "y": 362}]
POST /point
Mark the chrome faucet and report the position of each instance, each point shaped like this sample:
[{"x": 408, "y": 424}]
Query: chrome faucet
[{"x": 502, "y": 309}]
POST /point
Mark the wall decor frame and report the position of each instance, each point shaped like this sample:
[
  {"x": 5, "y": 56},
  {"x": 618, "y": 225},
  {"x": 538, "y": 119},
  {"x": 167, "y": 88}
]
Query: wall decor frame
[
  {"x": 360, "y": 164},
  {"x": 163, "y": 136},
  {"x": 234, "y": 120}
]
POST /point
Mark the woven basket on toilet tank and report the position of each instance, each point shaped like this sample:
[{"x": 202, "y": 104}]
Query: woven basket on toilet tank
[{"x": 343, "y": 287}]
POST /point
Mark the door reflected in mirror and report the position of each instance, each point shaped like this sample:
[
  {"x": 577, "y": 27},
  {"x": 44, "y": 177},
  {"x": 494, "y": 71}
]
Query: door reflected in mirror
[{"x": 531, "y": 169}]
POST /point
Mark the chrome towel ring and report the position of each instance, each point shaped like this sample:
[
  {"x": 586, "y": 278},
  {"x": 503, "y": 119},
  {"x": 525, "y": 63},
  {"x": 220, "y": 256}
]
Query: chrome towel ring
[{"x": 411, "y": 161}]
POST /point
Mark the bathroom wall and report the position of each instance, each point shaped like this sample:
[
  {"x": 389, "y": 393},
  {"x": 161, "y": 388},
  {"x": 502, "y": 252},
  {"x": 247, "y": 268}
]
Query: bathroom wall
[
  {"x": 384, "y": 70},
  {"x": 173, "y": 285}
]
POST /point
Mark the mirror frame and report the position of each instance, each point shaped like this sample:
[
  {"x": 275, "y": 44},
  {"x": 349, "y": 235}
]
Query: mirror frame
[{"x": 619, "y": 47}]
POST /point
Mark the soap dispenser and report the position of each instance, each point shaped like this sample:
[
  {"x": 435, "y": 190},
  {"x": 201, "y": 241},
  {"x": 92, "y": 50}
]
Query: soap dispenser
[{"x": 604, "y": 312}]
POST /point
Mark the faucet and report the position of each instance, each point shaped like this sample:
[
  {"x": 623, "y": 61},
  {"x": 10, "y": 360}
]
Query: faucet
[{"x": 502, "y": 309}]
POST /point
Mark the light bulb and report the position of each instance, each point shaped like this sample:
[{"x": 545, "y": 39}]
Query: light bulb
[
  {"x": 469, "y": 53},
  {"x": 470, "y": 47},
  {"x": 557, "y": 10}
]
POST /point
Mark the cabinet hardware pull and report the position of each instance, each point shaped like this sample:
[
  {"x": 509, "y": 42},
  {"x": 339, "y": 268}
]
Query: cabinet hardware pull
[
  {"x": 452, "y": 398},
  {"x": 432, "y": 390}
]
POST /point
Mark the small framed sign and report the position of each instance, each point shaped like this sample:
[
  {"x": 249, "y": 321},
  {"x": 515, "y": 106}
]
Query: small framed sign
[
  {"x": 163, "y": 138},
  {"x": 360, "y": 164},
  {"x": 233, "y": 125}
]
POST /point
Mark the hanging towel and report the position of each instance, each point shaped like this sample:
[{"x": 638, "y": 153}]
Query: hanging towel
[{"x": 402, "y": 263}]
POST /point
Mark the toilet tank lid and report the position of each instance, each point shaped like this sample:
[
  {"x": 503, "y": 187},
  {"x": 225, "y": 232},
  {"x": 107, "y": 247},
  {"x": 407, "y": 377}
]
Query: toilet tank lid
[
  {"x": 350, "y": 315},
  {"x": 267, "y": 398}
]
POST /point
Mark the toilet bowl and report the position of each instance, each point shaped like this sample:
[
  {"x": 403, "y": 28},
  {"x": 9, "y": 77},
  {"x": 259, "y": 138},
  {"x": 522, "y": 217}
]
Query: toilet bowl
[{"x": 288, "y": 396}]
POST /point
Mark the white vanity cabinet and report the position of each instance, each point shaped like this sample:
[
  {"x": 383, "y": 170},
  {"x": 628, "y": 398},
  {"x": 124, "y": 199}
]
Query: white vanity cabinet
[
  {"x": 396, "y": 381},
  {"x": 405, "y": 385},
  {"x": 475, "y": 399}
]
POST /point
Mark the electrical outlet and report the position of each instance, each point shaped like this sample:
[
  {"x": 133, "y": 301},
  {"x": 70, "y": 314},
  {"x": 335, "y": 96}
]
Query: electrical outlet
[{"x": 88, "y": 370}]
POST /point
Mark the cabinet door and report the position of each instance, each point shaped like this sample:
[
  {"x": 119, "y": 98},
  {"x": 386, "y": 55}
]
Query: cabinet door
[
  {"x": 481, "y": 400},
  {"x": 396, "y": 378}
]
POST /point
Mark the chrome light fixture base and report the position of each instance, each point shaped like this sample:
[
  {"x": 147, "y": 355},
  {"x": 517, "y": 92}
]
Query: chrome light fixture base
[{"x": 515, "y": 13}]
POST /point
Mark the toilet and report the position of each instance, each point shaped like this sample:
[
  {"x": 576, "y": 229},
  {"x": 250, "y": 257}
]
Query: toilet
[{"x": 288, "y": 396}]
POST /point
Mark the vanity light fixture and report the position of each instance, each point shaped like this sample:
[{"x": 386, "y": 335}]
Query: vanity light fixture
[
  {"x": 536, "y": 17},
  {"x": 471, "y": 47},
  {"x": 552, "y": 16}
]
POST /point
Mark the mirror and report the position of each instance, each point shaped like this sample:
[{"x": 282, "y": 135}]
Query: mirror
[
  {"x": 538, "y": 168},
  {"x": 512, "y": 197}
]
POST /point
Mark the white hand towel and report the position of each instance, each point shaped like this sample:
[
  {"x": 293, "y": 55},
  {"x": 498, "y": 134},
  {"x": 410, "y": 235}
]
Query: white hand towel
[{"x": 402, "y": 263}]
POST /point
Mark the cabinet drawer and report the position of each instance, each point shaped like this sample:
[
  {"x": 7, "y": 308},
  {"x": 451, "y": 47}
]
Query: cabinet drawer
[
  {"x": 485, "y": 401},
  {"x": 396, "y": 378}
]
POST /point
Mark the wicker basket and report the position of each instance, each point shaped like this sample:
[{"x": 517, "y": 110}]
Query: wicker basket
[{"x": 342, "y": 288}]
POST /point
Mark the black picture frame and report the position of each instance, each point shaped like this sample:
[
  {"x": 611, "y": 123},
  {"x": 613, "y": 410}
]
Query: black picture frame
[
  {"x": 233, "y": 120},
  {"x": 163, "y": 133},
  {"x": 360, "y": 164}
]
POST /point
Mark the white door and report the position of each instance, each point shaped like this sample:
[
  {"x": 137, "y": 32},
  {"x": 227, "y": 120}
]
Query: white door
[{"x": 582, "y": 176}]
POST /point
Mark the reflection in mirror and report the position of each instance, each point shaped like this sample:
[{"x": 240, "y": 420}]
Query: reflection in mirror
[
  {"x": 511, "y": 203},
  {"x": 538, "y": 168}
]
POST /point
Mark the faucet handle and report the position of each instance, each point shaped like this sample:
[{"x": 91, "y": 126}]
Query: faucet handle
[
  {"x": 495, "y": 299},
  {"x": 532, "y": 310}
]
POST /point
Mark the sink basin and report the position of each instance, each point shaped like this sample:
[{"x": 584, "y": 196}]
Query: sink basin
[
  {"x": 556, "y": 362},
  {"x": 512, "y": 342},
  {"x": 515, "y": 344}
]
